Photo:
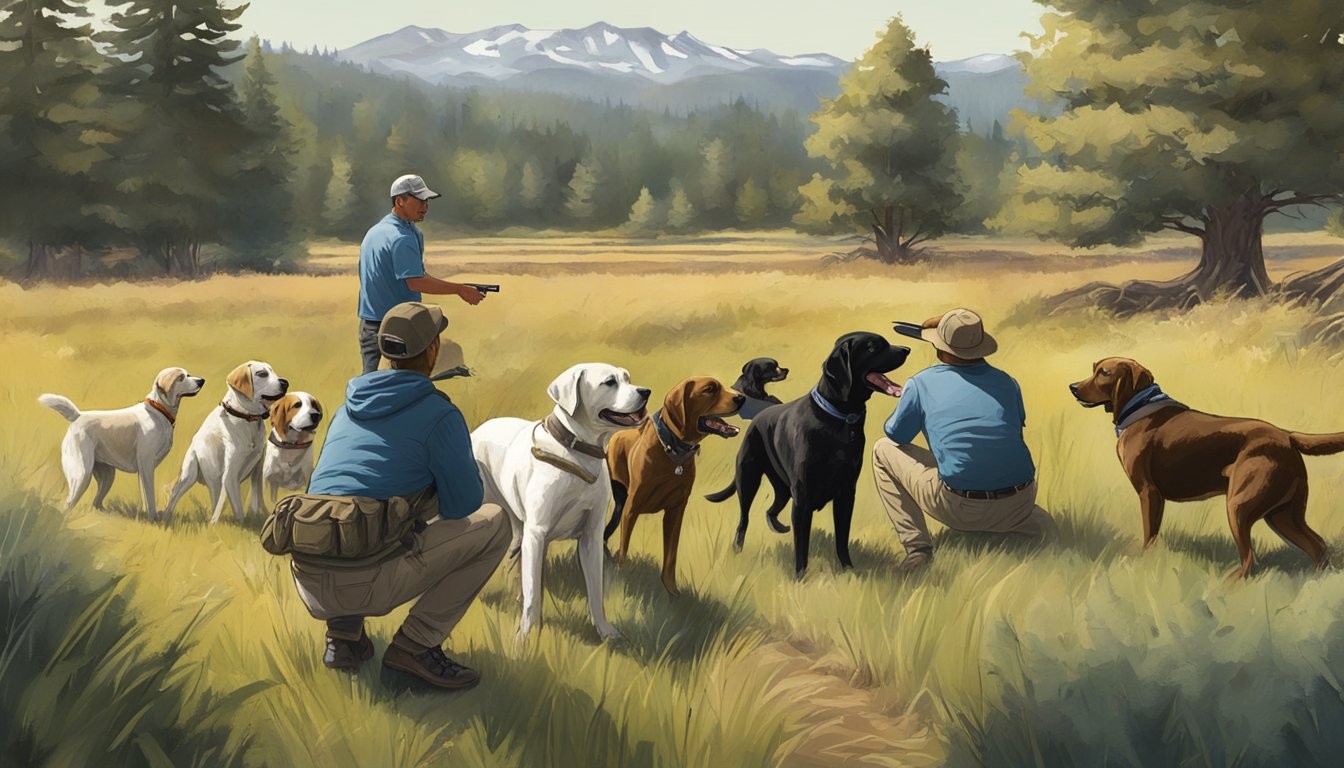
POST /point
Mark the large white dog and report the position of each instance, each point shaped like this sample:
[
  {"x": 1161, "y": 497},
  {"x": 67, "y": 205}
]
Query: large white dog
[
  {"x": 288, "y": 463},
  {"x": 229, "y": 445},
  {"x": 134, "y": 439},
  {"x": 551, "y": 476}
]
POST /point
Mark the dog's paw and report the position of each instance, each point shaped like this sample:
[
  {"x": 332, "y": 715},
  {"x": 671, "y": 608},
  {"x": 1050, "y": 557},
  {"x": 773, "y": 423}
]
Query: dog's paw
[
  {"x": 671, "y": 586},
  {"x": 608, "y": 633},
  {"x": 799, "y": 574},
  {"x": 739, "y": 539},
  {"x": 776, "y": 525}
]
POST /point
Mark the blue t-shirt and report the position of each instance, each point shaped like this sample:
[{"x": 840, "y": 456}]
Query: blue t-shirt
[
  {"x": 394, "y": 436},
  {"x": 393, "y": 250},
  {"x": 972, "y": 416}
]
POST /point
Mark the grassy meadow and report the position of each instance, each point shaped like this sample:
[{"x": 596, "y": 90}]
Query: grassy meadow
[{"x": 189, "y": 645}]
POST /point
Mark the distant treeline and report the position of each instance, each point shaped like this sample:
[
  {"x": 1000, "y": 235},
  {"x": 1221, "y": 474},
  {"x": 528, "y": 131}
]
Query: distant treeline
[{"x": 175, "y": 147}]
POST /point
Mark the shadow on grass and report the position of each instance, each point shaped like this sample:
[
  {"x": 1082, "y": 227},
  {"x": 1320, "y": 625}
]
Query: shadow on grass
[
  {"x": 563, "y": 725},
  {"x": 80, "y": 682},
  {"x": 1220, "y": 550},
  {"x": 677, "y": 629}
]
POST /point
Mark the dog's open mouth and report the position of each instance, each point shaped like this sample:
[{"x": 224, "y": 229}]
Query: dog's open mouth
[
  {"x": 624, "y": 419},
  {"x": 882, "y": 384},
  {"x": 715, "y": 425}
]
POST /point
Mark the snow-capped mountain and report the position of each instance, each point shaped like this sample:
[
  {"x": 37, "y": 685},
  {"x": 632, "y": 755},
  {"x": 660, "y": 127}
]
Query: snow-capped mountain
[{"x": 506, "y": 52}]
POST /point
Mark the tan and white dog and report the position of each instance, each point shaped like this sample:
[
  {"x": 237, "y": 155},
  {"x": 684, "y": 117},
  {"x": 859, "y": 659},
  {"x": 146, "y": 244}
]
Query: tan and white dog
[
  {"x": 134, "y": 439},
  {"x": 229, "y": 445},
  {"x": 551, "y": 476},
  {"x": 288, "y": 462}
]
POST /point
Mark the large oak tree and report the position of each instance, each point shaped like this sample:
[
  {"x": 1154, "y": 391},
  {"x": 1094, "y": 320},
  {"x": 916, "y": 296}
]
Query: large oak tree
[{"x": 1203, "y": 117}]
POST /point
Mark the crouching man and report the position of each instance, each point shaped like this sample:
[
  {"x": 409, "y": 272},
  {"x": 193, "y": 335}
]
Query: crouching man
[{"x": 398, "y": 438}]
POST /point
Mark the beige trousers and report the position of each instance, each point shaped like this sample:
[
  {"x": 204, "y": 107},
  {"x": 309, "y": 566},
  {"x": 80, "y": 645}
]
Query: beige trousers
[
  {"x": 446, "y": 568},
  {"x": 910, "y": 489}
]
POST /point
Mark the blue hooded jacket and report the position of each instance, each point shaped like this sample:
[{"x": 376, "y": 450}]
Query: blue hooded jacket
[{"x": 395, "y": 435}]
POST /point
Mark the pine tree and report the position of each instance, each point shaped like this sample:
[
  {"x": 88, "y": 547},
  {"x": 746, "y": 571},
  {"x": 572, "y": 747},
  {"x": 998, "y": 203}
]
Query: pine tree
[
  {"x": 338, "y": 202},
  {"x": 644, "y": 214},
  {"x": 752, "y": 204},
  {"x": 262, "y": 233},
  {"x": 680, "y": 212},
  {"x": 180, "y": 133},
  {"x": 715, "y": 178},
  {"x": 532, "y": 188},
  {"x": 48, "y": 141},
  {"x": 580, "y": 203},
  {"x": 890, "y": 146}
]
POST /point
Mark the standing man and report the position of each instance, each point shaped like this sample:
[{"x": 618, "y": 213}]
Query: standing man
[
  {"x": 392, "y": 264},
  {"x": 397, "y": 436},
  {"x": 979, "y": 475}
]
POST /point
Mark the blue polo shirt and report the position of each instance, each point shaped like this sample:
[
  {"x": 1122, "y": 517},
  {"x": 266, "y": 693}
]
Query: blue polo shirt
[
  {"x": 393, "y": 250},
  {"x": 972, "y": 416}
]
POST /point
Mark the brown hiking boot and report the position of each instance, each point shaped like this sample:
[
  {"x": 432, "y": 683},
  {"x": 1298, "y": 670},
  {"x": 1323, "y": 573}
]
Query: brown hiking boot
[
  {"x": 347, "y": 654},
  {"x": 431, "y": 665}
]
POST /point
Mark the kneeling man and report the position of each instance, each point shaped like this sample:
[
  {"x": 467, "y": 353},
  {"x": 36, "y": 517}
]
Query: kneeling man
[
  {"x": 979, "y": 475},
  {"x": 397, "y": 435}
]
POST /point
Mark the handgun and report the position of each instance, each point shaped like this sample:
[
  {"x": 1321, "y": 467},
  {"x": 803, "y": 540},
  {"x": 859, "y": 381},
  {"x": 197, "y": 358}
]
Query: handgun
[{"x": 484, "y": 287}]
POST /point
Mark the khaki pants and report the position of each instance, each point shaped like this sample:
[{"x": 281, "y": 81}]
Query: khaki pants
[
  {"x": 446, "y": 568},
  {"x": 909, "y": 486}
]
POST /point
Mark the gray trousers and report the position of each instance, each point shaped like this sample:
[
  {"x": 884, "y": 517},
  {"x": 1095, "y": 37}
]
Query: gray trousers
[{"x": 368, "y": 345}]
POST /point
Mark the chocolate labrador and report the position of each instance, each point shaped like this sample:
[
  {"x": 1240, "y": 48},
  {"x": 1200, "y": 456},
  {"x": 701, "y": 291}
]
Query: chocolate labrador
[
  {"x": 811, "y": 448},
  {"x": 1173, "y": 453},
  {"x": 652, "y": 466}
]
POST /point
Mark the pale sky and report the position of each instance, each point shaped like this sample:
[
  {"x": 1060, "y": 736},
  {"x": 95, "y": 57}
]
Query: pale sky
[{"x": 954, "y": 29}]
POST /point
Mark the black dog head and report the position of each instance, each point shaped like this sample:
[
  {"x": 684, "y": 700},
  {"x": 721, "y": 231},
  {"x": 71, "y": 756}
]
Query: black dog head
[
  {"x": 756, "y": 374},
  {"x": 853, "y": 371}
]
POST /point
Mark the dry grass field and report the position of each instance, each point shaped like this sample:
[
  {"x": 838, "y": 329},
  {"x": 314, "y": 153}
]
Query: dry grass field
[{"x": 139, "y": 644}]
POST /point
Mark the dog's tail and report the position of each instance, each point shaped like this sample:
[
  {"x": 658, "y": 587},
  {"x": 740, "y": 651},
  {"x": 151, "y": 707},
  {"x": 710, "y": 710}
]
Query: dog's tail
[
  {"x": 1317, "y": 445},
  {"x": 61, "y": 405},
  {"x": 726, "y": 493}
]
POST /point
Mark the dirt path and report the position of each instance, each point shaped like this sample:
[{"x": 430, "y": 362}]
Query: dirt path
[{"x": 845, "y": 725}]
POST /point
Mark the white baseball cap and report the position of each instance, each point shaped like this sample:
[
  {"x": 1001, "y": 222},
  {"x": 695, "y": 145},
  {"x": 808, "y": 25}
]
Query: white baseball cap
[{"x": 410, "y": 184}]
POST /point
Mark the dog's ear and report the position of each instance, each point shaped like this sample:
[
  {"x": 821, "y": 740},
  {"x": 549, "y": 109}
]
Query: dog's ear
[
  {"x": 317, "y": 405},
  {"x": 1130, "y": 377},
  {"x": 240, "y": 378},
  {"x": 836, "y": 369},
  {"x": 167, "y": 379},
  {"x": 280, "y": 414},
  {"x": 565, "y": 389},
  {"x": 674, "y": 406}
]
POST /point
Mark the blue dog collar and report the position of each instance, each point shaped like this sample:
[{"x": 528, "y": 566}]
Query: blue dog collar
[{"x": 823, "y": 404}]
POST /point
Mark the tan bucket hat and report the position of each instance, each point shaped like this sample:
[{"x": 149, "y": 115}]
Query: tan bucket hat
[{"x": 958, "y": 332}]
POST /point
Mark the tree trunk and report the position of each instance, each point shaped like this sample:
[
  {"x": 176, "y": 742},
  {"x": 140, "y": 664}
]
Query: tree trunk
[
  {"x": 1231, "y": 264},
  {"x": 53, "y": 262},
  {"x": 887, "y": 234}
]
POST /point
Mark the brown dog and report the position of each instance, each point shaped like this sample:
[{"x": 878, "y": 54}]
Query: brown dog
[
  {"x": 653, "y": 465},
  {"x": 1173, "y": 453}
]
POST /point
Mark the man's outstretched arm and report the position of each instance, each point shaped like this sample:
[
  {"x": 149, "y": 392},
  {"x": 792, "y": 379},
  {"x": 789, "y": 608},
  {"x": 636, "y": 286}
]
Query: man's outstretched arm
[{"x": 433, "y": 285}]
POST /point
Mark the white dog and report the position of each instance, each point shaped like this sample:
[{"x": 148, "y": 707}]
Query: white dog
[
  {"x": 134, "y": 439},
  {"x": 228, "y": 446},
  {"x": 288, "y": 463},
  {"x": 551, "y": 476}
]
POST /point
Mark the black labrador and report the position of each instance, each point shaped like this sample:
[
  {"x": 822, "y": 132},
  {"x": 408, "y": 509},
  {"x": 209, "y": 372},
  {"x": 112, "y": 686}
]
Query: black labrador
[
  {"x": 811, "y": 449},
  {"x": 755, "y": 375}
]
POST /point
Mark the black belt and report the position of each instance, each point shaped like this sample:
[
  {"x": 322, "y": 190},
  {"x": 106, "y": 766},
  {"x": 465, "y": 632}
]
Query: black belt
[{"x": 1001, "y": 493}]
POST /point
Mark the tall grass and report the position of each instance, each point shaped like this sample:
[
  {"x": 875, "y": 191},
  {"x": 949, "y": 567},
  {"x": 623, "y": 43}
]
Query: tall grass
[{"x": 1079, "y": 651}]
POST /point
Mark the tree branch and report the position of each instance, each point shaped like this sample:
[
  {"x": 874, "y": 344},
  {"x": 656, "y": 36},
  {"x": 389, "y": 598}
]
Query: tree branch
[
  {"x": 1278, "y": 205},
  {"x": 1178, "y": 224}
]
